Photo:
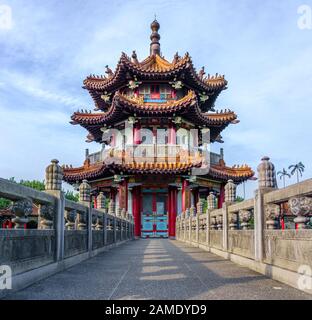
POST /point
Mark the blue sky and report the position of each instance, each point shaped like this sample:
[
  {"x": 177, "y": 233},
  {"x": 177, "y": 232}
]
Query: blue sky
[{"x": 52, "y": 45}]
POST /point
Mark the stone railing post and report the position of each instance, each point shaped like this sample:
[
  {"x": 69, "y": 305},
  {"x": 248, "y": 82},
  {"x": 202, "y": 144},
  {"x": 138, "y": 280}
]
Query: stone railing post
[
  {"x": 211, "y": 205},
  {"x": 207, "y": 226},
  {"x": 190, "y": 225},
  {"x": 53, "y": 186},
  {"x": 85, "y": 199},
  {"x": 199, "y": 211},
  {"x": 112, "y": 211},
  {"x": 184, "y": 223},
  {"x": 100, "y": 204},
  {"x": 266, "y": 183},
  {"x": 230, "y": 198}
]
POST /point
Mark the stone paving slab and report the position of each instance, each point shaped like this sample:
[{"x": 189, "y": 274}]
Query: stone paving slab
[{"x": 158, "y": 269}]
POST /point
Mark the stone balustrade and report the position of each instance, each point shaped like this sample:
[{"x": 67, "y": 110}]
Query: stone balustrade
[
  {"x": 68, "y": 232},
  {"x": 250, "y": 232}
]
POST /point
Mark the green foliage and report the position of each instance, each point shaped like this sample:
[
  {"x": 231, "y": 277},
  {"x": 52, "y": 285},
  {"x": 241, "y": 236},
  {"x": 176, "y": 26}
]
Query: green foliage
[
  {"x": 239, "y": 199},
  {"x": 107, "y": 202},
  {"x": 283, "y": 174},
  {"x": 297, "y": 169},
  {"x": 205, "y": 205},
  {"x": 73, "y": 196},
  {"x": 4, "y": 203},
  {"x": 34, "y": 184}
]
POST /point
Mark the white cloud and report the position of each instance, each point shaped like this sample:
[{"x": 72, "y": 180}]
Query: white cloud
[{"x": 6, "y": 19}]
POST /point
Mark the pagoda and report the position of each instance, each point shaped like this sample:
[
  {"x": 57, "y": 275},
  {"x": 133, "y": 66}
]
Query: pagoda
[{"x": 152, "y": 119}]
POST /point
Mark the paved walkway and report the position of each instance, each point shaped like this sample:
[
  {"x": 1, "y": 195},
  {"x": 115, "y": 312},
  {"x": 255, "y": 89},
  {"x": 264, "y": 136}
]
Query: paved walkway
[{"x": 158, "y": 269}]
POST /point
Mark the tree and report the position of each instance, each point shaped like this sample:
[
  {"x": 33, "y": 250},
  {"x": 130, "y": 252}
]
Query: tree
[
  {"x": 34, "y": 184},
  {"x": 4, "y": 203},
  {"x": 283, "y": 174},
  {"x": 298, "y": 169},
  {"x": 37, "y": 185},
  {"x": 70, "y": 195}
]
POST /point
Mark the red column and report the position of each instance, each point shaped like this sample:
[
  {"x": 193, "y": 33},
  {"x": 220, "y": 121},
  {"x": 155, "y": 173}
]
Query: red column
[
  {"x": 196, "y": 197},
  {"x": 169, "y": 210},
  {"x": 172, "y": 211},
  {"x": 184, "y": 194},
  {"x": 221, "y": 197},
  {"x": 136, "y": 209},
  {"x": 94, "y": 202},
  {"x": 112, "y": 194}
]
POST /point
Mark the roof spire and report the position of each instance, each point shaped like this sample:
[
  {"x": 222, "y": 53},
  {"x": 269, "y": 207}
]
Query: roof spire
[{"x": 155, "y": 37}]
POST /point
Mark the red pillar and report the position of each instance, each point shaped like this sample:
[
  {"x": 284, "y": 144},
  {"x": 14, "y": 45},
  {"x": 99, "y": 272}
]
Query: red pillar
[
  {"x": 136, "y": 209},
  {"x": 221, "y": 197},
  {"x": 94, "y": 202},
  {"x": 184, "y": 194},
  {"x": 172, "y": 192}
]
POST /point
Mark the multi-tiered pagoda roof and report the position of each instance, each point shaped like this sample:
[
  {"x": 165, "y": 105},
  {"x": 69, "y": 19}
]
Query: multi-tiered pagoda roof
[{"x": 117, "y": 97}]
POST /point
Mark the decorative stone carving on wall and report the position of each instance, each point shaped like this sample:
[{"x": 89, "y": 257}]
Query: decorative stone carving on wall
[
  {"x": 213, "y": 223},
  {"x": 70, "y": 218},
  {"x": 211, "y": 201},
  {"x": 84, "y": 191},
  {"x": 266, "y": 174},
  {"x": 99, "y": 222},
  {"x": 219, "y": 222},
  {"x": 21, "y": 209},
  {"x": 244, "y": 218},
  {"x": 94, "y": 218},
  {"x": 230, "y": 191},
  {"x": 300, "y": 207},
  {"x": 54, "y": 176},
  {"x": 272, "y": 214},
  {"x": 46, "y": 216},
  {"x": 233, "y": 219},
  {"x": 82, "y": 221}
]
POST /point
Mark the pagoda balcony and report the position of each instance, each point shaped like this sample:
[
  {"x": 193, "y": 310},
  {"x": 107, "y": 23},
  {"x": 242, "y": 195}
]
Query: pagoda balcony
[{"x": 152, "y": 153}]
